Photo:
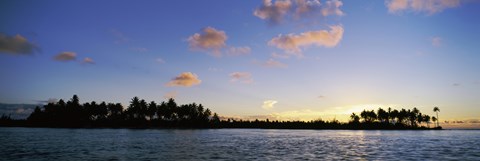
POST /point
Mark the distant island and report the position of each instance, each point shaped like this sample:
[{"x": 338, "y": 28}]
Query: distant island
[{"x": 140, "y": 114}]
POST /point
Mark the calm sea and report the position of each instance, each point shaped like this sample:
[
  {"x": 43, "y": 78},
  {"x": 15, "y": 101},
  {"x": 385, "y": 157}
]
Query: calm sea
[{"x": 236, "y": 144}]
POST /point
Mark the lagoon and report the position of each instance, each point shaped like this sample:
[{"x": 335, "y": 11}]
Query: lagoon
[{"x": 236, "y": 144}]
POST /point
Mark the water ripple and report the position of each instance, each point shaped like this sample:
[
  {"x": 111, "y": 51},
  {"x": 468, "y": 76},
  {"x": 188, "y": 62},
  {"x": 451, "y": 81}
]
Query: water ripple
[{"x": 236, "y": 144}]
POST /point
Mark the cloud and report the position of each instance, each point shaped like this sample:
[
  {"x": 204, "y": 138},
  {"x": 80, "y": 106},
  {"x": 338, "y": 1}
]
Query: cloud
[
  {"x": 273, "y": 12},
  {"x": 268, "y": 104},
  {"x": 429, "y": 6},
  {"x": 17, "y": 111},
  {"x": 16, "y": 45},
  {"x": 277, "y": 12},
  {"x": 212, "y": 69},
  {"x": 436, "y": 41},
  {"x": 119, "y": 37},
  {"x": 50, "y": 100},
  {"x": 237, "y": 51},
  {"x": 243, "y": 77},
  {"x": 321, "y": 97},
  {"x": 160, "y": 60},
  {"x": 271, "y": 63},
  {"x": 456, "y": 84},
  {"x": 185, "y": 79},
  {"x": 332, "y": 8},
  {"x": 171, "y": 94},
  {"x": 65, "y": 56},
  {"x": 292, "y": 44},
  {"x": 88, "y": 60},
  {"x": 211, "y": 40},
  {"x": 280, "y": 56},
  {"x": 461, "y": 124}
]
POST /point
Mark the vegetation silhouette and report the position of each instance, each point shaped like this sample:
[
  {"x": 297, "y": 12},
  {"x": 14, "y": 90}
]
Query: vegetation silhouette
[{"x": 140, "y": 114}]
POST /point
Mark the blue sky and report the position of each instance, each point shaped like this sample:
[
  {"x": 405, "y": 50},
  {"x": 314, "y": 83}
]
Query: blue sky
[{"x": 277, "y": 59}]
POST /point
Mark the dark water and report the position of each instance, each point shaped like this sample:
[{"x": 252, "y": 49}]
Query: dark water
[{"x": 236, "y": 144}]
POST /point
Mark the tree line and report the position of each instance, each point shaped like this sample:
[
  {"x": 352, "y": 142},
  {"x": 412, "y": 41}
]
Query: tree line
[
  {"x": 368, "y": 119},
  {"x": 139, "y": 113},
  {"x": 168, "y": 114}
]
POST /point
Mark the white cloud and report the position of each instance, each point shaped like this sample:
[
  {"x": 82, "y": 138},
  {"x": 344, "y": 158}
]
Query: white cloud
[
  {"x": 16, "y": 45},
  {"x": 237, "y": 51},
  {"x": 429, "y": 6},
  {"x": 436, "y": 41},
  {"x": 185, "y": 79},
  {"x": 243, "y": 77},
  {"x": 65, "y": 56},
  {"x": 268, "y": 104},
  {"x": 88, "y": 60},
  {"x": 211, "y": 40},
  {"x": 292, "y": 43},
  {"x": 276, "y": 12}
]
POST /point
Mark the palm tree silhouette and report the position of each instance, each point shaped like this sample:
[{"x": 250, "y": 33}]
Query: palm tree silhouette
[
  {"x": 354, "y": 117},
  {"x": 436, "y": 109}
]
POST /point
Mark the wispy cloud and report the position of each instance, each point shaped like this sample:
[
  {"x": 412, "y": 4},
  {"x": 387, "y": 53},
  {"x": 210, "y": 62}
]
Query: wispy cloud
[
  {"x": 243, "y": 77},
  {"x": 292, "y": 43},
  {"x": 160, "y": 60},
  {"x": 427, "y": 6},
  {"x": 280, "y": 56},
  {"x": 269, "y": 104},
  {"x": 461, "y": 124},
  {"x": 88, "y": 60},
  {"x": 436, "y": 41},
  {"x": 16, "y": 45},
  {"x": 270, "y": 63},
  {"x": 185, "y": 79},
  {"x": 171, "y": 94},
  {"x": 210, "y": 40},
  {"x": 281, "y": 10},
  {"x": 274, "y": 64},
  {"x": 50, "y": 100},
  {"x": 65, "y": 56},
  {"x": 212, "y": 69},
  {"x": 119, "y": 36},
  {"x": 237, "y": 51}
]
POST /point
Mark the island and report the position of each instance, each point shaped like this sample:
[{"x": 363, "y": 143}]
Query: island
[{"x": 168, "y": 114}]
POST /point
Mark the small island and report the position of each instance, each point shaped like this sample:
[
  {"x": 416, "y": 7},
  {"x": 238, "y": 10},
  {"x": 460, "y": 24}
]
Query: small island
[{"x": 140, "y": 114}]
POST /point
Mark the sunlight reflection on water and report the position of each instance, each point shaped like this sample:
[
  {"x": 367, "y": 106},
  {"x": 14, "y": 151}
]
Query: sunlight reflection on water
[{"x": 236, "y": 144}]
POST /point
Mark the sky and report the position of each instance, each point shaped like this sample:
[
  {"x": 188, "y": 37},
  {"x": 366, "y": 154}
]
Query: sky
[{"x": 284, "y": 59}]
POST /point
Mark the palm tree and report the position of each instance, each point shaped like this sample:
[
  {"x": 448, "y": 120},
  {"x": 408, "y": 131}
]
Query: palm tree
[
  {"x": 364, "y": 115},
  {"x": 394, "y": 114},
  {"x": 382, "y": 115},
  {"x": 436, "y": 109},
  {"x": 355, "y": 118},
  {"x": 426, "y": 118},
  {"x": 434, "y": 119}
]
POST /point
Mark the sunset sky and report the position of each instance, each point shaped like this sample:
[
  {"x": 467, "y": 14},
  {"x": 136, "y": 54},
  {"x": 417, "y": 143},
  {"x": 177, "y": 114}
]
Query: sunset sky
[{"x": 289, "y": 60}]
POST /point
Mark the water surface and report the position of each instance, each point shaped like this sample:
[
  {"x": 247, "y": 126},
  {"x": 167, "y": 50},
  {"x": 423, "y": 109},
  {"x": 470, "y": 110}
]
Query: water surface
[{"x": 236, "y": 144}]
